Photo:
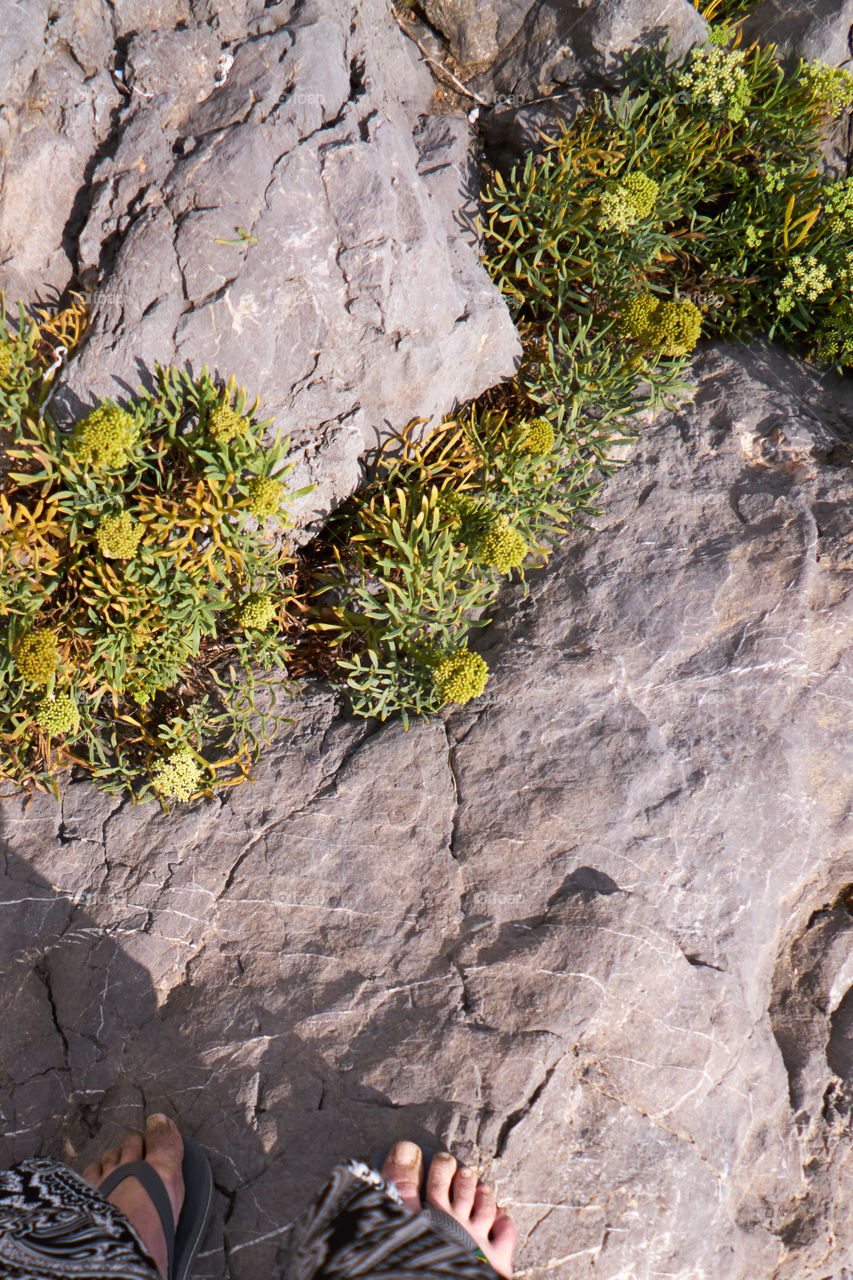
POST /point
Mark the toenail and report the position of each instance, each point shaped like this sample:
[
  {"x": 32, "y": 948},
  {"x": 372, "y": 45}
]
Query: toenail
[
  {"x": 467, "y": 1174},
  {"x": 443, "y": 1156},
  {"x": 157, "y": 1122},
  {"x": 406, "y": 1154}
]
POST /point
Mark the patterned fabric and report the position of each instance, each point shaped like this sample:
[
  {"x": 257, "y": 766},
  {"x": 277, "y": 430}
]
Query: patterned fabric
[
  {"x": 55, "y": 1227},
  {"x": 358, "y": 1227}
]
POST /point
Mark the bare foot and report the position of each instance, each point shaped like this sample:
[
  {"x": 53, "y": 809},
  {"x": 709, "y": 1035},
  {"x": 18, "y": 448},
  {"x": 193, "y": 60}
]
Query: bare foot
[
  {"x": 455, "y": 1189},
  {"x": 162, "y": 1147}
]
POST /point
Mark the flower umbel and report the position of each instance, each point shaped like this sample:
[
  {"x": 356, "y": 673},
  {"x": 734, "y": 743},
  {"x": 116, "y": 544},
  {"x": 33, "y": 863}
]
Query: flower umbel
[
  {"x": 503, "y": 548},
  {"x": 36, "y": 656},
  {"x": 224, "y": 423},
  {"x": 119, "y": 536},
  {"x": 536, "y": 436},
  {"x": 265, "y": 496},
  {"x": 177, "y": 776},
  {"x": 670, "y": 327},
  {"x": 716, "y": 78},
  {"x": 257, "y": 613},
  {"x": 58, "y": 717},
  {"x": 628, "y": 201},
  {"x": 807, "y": 278},
  {"x": 9, "y": 358},
  {"x": 460, "y": 677},
  {"x": 832, "y": 86},
  {"x": 105, "y": 437}
]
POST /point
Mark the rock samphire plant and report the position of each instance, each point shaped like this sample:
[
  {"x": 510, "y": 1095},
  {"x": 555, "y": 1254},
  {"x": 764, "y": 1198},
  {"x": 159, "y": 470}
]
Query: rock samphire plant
[{"x": 144, "y": 608}]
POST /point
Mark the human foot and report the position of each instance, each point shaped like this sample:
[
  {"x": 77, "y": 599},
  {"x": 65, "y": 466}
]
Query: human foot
[
  {"x": 162, "y": 1147},
  {"x": 455, "y": 1189}
]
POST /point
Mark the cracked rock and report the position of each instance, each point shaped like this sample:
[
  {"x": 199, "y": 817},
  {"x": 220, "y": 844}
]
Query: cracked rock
[{"x": 593, "y": 930}]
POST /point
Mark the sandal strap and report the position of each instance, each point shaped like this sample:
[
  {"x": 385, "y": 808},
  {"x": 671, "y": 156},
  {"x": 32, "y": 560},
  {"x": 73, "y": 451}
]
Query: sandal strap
[
  {"x": 154, "y": 1186},
  {"x": 449, "y": 1224}
]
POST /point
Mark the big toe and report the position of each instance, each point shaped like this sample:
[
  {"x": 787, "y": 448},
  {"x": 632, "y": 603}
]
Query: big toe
[
  {"x": 164, "y": 1149},
  {"x": 404, "y": 1167}
]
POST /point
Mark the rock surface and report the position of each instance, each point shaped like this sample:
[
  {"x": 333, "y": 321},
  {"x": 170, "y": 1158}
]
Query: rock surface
[
  {"x": 811, "y": 28},
  {"x": 594, "y": 929},
  {"x": 262, "y": 189}
]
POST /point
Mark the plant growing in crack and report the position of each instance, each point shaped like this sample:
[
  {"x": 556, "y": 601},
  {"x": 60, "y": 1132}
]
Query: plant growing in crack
[{"x": 145, "y": 608}]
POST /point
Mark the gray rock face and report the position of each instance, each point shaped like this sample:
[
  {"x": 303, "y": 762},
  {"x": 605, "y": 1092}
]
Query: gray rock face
[
  {"x": 814, "y": 29},
  {"x": 259, "y": 189},
  {"x": 593, "y": 930},
  {"x": 531, "y": 48}
]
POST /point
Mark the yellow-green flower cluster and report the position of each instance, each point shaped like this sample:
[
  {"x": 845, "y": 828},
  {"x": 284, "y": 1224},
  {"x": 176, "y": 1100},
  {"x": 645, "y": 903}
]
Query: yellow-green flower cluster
[
  {"x": 503, "y": 547},
  {"x": 670, "y": 327},
  {"x": 536, "y": 436},
  {"x": 838, "y": 204},
  {"x": 457, "y": 505},
  {"x": 460, "y": 677},
  {"x": 257, "y": 613},
  {"x": 9, "y": 357},
  {"x": 224, "y": 423},
  {"x": 58, "y": 717},
  {"x": 833, "y": 343},
  {"x": 119, "y": 536},
  {"x": 774, "y": 177},
  {"x": 36, "y": 656},
  {"x": 754, "y": 235},
  {"x": 716, "y": 77},
  {"x": 628, "y": 201},
  {"x": 177, "y": 776},
  {"x": 105, "y": 437},
  {"x": 265, "y": 496},
  {"x": 721, "y": 34},
  {"x": 832, "y": 86},
  {"x": 808, "y": 278}
]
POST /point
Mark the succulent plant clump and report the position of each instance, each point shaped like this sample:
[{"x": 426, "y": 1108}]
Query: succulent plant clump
[
  {"x": 628, "y": 201},
  {"x": 265, "y": 495},
  {"x": 177, "y": 776},
  {"x": 58, "y": 717},
  {"x": 36, "y": 656},
  {"x": 460, "y": 677},
  {"x": 256, "y": 613},
  {"x": 105, "y": 437},
  {"x": 224, "y": 423},
  {"x": 503, "y": 548},
  {"x": 670, "y": 327},
  {"x": 119, "y": 536}
]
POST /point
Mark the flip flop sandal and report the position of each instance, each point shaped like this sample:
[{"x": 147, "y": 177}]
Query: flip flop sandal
[
  {"x": 443, "y": 1220},
  {"x": 182, "y": 1243}
]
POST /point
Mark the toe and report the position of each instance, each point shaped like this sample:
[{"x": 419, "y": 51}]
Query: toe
[
  {"x": 463, "y": 1190},
  {"x": 503, "y": 1234},
  {"x": 502, "y": 1238},
  {"x": 441, "y": 1170},
  {"x": 485, "y": 1208},
  {"x": 132, "y": 1148},
  {"x": 404, "y": 1167},
  {"x": 109, "y": 1160},
  {"x": 93, "y": 1173},
  {"x": 163, "y": 1139},
  {"x": 164, "y": 1150}
]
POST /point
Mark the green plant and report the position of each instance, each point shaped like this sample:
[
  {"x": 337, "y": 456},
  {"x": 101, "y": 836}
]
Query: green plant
[
  {"x": 412, "y": 562},
  {"x": 144, "y": 610}
]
